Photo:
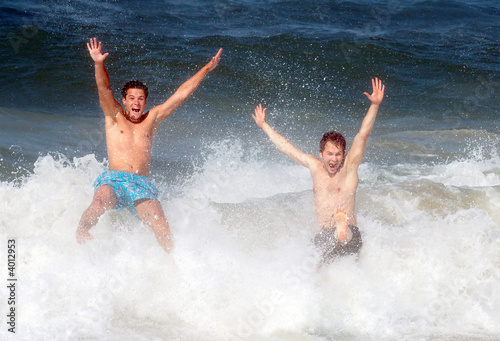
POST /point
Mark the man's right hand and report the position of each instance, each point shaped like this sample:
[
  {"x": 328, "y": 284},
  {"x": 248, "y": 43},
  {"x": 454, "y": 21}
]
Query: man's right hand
[
  {"x": 95, "y": 51},
  {"x": 83, "y": 235},
  {"x": 260, "y": 115}
]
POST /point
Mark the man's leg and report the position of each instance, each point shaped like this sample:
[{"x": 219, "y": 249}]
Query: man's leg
[
  {"x": 151, "y": 212},
  {"x": 104, "y": 199}
]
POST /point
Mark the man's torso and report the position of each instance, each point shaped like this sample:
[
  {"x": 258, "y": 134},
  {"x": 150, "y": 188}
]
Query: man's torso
[
  {"x": 129, "y": 144},
  {"x": 332, "y": 192}
]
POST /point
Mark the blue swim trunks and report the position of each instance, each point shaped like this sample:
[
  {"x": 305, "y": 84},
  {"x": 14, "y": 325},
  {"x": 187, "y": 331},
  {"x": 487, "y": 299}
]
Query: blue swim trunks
[{"x": 128, "y": 188}]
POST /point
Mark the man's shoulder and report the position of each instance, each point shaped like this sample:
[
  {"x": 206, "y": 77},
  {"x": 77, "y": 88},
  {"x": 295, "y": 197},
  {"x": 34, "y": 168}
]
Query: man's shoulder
[
  {"x": 316, "y": 166},
  {"x": 315, "y": 162},
  {"x": 111, "y": 115}
]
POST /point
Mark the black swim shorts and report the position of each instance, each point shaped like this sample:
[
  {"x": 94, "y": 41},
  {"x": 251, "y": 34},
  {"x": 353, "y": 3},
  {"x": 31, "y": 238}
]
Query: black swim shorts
[{"x": 327, "y": 244}]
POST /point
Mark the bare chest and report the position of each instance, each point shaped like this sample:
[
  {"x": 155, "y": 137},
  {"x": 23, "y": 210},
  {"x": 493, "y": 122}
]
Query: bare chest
[
  {"x": 126, "y": 135},
  {"x": 333, "y": 188},
  {"x": 324, "y": 187}
]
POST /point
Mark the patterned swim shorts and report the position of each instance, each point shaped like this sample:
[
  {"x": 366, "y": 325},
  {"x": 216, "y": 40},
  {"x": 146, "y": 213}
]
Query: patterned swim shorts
[{"x": 128, "y": 188}]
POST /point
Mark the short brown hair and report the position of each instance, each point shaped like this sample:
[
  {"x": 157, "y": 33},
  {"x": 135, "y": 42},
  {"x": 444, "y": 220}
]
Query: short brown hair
[
  {"x": 335, "y": 137},
  {"x": 135, "y": 85}
]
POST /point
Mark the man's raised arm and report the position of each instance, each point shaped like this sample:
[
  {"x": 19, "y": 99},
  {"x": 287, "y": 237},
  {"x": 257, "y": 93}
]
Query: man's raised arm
[
  {"x": 280, "y": 142},
  {"x": 108, "y": 103},
  {"x": 185, "y": 90},
  {"x": 357, "y": 150}
]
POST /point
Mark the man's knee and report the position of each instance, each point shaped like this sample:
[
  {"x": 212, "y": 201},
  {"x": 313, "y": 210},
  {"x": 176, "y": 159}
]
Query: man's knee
[{"x": 150, "y": 211}]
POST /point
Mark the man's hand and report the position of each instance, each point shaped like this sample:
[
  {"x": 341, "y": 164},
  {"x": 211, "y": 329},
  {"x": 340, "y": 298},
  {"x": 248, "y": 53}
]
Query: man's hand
[
  {"x": 378, "y": 92},
  {"x": 215, "y": 61},
  {"x": 83, "y": 235},
  {"x": 260, "y": 115},
  {"x": 95, "y": 51}
]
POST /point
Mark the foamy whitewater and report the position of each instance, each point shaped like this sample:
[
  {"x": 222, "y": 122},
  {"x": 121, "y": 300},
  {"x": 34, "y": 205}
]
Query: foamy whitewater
[{"x": 243, "y": 267}]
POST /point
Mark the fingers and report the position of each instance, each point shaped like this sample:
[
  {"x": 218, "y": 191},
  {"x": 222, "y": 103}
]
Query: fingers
[
  {"x": 340, "y": 210},
  {"x": 260, "y": 115},
  {"x": 217, "y": 56},
  {"x": 378, "y": 91},
  {"x": 91, "y": 45},
  {"x": 94, "y": 44},
  {"x": 259, "y": 110},
  {"x": 382, "y": 87},
  {"x": 378, "y": 88},
  {"x": 377, "y": 84},
  {"x": 82, "y": 236},
  {"x": 215, "y": 61}
]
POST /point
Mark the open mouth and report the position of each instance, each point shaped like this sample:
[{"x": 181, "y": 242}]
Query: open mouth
[
  {"x": 332, "y": 167},
  {"x": 136, "y": 110}
]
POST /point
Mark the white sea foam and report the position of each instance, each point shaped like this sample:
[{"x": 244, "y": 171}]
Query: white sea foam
[{"x": 243, "y": 267}]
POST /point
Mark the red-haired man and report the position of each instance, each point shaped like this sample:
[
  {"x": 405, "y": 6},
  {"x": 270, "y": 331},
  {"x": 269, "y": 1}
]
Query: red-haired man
[{"x": 335, "y": 178}]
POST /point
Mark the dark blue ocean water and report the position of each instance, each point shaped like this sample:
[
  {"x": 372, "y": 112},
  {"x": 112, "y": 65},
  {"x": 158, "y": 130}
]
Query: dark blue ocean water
[
  {"x": 308, "y": 53},
  {"x": 439, "y": 59},
  {"x": 431, "y": 170}
]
